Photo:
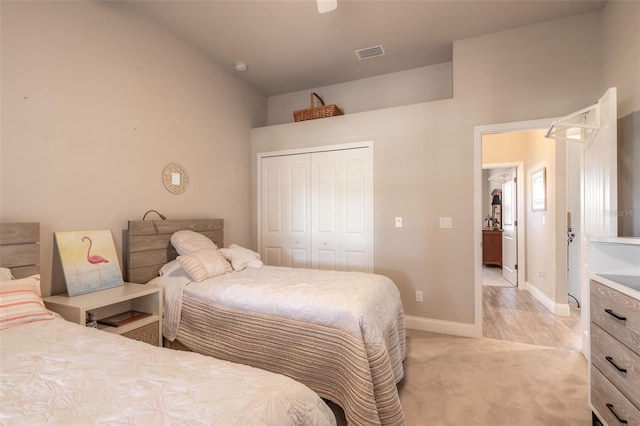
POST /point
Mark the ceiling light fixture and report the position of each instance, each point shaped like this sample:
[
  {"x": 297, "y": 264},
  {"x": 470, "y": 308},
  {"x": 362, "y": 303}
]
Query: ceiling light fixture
[
  {"x": 325, "y": 6},
  {"x": 240, "y": 66}
]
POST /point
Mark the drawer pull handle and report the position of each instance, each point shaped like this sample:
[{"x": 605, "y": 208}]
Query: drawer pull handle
[
  {"x": 610, "y": 312},
  {"x": 622, "y": 370},
  {"x": 610, "y": 407}
]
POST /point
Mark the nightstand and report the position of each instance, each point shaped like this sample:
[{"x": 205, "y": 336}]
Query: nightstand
[{"x": 112, "y": 301}]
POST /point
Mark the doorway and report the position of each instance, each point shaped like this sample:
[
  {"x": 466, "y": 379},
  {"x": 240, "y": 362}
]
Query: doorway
[
  {"x": 501, "y": 189},
  {"x": 514, "y": 312}
]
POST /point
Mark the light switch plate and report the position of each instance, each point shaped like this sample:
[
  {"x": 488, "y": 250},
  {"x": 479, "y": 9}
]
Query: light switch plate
[
  {"x": 446, "y": 222},
  {"x": 398, "y": 222}
]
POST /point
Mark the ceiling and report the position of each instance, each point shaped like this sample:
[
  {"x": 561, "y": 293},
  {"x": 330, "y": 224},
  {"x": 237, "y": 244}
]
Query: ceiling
[{"x": 288, "y": 46}]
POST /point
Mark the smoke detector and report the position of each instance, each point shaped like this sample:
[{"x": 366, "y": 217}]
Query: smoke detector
[
  {"x": 370, "y": 52},
  {"x": 240, "y": 66}
]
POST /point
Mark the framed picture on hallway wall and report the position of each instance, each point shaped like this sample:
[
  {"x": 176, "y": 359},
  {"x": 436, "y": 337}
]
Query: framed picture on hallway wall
[
  {"x": 89, "y": 261},
  {"x": 539, "y": 190}
]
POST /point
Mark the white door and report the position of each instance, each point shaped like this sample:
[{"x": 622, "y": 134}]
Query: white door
[
  {"x": 595, "y": 127},
  {"x": 601, "y": 169},
  {"x": 600, "y": 186},
  {"x": 286, "y": 211},
  {"x": 509, "y": 229},
  {"x": 316, "y": 210},
  {"x": 342, "y": 210}
]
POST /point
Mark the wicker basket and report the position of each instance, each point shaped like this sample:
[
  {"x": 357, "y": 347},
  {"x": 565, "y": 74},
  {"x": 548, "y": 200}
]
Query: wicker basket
[{"x": 316, "y": 112}]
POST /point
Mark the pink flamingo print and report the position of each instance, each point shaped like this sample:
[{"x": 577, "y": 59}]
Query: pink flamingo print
[{"x": 94, "y": 259}]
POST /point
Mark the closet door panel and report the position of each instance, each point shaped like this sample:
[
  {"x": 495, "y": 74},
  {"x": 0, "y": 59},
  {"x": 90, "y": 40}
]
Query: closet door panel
[
  {"x": 355, "y": 197},
  {"x": 342, "y": 204},
  {"x": 355, "y": 261},
  {"x": 326, "y": 205},
  {"x": 273, "y": 200},
  {"x": 285, "y": 211}
]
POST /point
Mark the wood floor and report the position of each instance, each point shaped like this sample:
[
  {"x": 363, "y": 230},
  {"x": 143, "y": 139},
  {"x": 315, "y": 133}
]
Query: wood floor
[{"x": 510, "y": 313}]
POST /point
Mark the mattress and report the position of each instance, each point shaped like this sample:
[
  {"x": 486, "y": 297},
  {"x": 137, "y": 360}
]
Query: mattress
[
  {"x": 340, "y": 333},
  {"x": 56, "y": 372}
]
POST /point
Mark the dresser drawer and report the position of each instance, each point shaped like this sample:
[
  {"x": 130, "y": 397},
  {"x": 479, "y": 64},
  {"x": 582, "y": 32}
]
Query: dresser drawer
[
  {"x": 604, "y": 346},
  {"x": 607, "y": 400},
  {"x": 616, "y": 313},
  {"x": 148, "y": 333}
]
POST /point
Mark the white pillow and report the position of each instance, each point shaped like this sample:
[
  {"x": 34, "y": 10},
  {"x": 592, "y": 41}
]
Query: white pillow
[
  {"x": 21, "y": 302},
  {"x": 187, "y": 242},
  {"x": 203, "y": 264},
  {"x": 241, "y": 257},
  {"x": 5, "y": 274}
]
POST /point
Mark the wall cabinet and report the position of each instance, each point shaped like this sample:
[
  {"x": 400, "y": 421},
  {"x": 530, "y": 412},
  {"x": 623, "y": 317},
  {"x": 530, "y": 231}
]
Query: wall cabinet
[{"x": 492, "y": 247}]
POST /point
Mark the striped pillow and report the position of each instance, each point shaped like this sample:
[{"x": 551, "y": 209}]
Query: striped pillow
[
  {"x": 203, "y": 264},
  {"x": 187, "y": 242},
  {"x": 21, "y": 302}
]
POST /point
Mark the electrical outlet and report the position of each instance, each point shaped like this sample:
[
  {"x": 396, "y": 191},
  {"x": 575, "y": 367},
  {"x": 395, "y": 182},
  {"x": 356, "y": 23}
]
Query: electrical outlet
[{"x": 419, "y": 296}]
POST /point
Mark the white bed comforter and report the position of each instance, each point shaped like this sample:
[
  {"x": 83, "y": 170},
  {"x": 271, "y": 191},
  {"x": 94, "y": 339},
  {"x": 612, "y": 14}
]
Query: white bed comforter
[
  {"x": 360, "y": 303},
  {"x": 55, "y": 372}
]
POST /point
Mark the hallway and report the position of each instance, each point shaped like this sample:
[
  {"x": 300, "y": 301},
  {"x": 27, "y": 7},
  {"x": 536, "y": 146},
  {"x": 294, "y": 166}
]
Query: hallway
[{"x": 513, "y": 314}]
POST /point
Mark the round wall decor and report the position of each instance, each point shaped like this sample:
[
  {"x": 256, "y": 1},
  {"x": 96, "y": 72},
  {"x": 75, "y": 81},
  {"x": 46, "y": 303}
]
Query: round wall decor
[{"x": 175, "y": 178}]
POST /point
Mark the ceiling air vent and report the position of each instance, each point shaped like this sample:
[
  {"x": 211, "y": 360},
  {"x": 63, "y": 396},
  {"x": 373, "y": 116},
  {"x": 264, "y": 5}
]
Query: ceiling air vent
[{"x": 370, "y": 52}]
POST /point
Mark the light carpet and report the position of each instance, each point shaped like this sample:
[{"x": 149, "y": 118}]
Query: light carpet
[{"x": 466, "y": 381}]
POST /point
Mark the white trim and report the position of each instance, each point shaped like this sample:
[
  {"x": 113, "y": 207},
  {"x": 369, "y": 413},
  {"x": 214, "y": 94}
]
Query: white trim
[
  {"x": 560, "y": 309},
  {"x": 321, "y": 148},
  {"x": 442, "y": 327}
]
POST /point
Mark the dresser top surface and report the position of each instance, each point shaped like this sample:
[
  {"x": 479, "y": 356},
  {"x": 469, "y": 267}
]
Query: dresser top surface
[{"x": 632, "y": 281}]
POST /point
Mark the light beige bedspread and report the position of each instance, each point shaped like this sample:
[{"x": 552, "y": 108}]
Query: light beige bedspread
[{"x": 359, "y": 377}]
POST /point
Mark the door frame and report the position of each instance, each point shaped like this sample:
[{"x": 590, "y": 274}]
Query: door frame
[
  {"x": 519, "y": 165},
  {"x": 478, "y": 133},
  {"x": 309, "y": 150}
]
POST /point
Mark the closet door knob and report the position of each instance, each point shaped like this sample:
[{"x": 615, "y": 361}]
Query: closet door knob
[{"x": 325, "y": 243}]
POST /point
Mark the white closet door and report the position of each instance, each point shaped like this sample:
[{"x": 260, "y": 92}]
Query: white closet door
[
  {"x": 285, "y": 211},
  {"x": 342, "y": 210}
]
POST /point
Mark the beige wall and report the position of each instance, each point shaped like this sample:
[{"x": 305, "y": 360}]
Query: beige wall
[
  {"x": 95, "y": 102},
  {"x": 423, "y": 153},
  {"x": 412, "y": 86},
  {"x": 541, "y": 225}
]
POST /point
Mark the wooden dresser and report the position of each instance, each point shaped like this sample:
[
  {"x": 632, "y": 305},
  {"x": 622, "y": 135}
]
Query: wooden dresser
[
  {"x": 492, "y": 247},
  {"x": 615, "y": 349}
]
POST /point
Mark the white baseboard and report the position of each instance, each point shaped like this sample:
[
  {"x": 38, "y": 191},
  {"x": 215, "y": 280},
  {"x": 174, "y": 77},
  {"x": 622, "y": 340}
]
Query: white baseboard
[
  {"x": 442, "y": 327},
  {"x": 560, "y": 309}
]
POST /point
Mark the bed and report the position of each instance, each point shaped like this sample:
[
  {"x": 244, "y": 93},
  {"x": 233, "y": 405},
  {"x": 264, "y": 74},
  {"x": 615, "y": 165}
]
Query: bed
[
  {"x": 56, "y": 372},
  {"x": 340, "y": 333}
]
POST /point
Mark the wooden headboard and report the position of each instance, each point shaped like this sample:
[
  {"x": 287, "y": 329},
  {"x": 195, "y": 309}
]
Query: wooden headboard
[
  {"x": 20, "y": 248},
  {"x": 148, "y": 244}
]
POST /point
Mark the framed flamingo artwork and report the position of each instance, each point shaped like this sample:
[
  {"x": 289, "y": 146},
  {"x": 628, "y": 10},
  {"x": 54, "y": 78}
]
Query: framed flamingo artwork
[{"x": 89, "y": 261}]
